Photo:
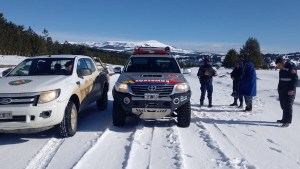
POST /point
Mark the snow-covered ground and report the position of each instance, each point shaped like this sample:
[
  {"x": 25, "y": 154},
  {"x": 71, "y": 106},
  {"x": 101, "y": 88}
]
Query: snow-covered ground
[
  {"x": 11, "y": 59},
  {"x": 218, "y": 137}
]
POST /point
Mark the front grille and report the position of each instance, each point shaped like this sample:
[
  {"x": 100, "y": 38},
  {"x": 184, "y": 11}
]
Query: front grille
[
  {"x": 17, "y": 100},
  {"x": 15, "y": 119},
  {"x": 161, "y": 89}
]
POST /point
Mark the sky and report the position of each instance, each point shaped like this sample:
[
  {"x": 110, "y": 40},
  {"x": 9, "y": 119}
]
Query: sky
[{"x": 201, "y": 25}]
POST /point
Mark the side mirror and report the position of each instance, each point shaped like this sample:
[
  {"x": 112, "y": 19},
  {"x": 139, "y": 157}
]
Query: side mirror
[
  {"x": 5, "y": 72},
  {"x": 84, "y": 72},
  {"x": 118, "y": 70},
  {"x": 187, "y": 71}
]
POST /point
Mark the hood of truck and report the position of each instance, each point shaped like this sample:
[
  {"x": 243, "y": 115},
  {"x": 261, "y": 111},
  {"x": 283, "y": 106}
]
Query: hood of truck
[
  {"x": 152, "y": 78},
  {"x": 24, "y": 84}
]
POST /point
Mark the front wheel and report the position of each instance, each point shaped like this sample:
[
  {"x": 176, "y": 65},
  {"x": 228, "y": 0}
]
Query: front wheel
[
  {"x": 68, "y": 126},
  {"x": 119, "y": 116},
  {"x": 184, "y": 115}
]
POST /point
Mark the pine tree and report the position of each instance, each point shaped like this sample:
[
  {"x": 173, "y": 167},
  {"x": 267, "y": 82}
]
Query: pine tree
[
  {"x": 230, "y": 59},
  {"x": 251, "y": 52}
]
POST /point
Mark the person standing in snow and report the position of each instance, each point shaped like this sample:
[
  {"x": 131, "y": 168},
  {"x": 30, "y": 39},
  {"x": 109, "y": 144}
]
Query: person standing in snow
[
  {"x": 236, "y": 76},
  {"x": 205, "y": 75},
  {"x": 247, "y": 86},
  {"x": 288, "y": 79}
]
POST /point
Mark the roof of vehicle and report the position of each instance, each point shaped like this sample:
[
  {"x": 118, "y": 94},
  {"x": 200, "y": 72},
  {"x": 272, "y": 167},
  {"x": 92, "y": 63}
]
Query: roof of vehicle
[{"x": 60, "y": 56}]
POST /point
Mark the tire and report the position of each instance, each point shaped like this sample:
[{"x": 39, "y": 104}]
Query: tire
[
  {"x": 68, "y": 126},
  {"x": 184, "y": 115},
  {"x": 119, "y": 115},
  {"x": 102, "y": 103}
]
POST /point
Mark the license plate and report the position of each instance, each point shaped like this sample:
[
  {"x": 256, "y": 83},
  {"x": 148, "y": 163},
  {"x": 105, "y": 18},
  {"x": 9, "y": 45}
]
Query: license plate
[
  {"x": 151, "y": 96},
  {"x": 5, "y": 115}
]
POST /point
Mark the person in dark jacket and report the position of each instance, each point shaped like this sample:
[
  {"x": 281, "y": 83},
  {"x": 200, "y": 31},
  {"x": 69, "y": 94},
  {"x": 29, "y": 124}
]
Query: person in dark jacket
[
  {"x": 288, "y": 79},
  {"x": 205, "y": 75},
  {"x": 236, "y": 76},
  {"x": 247, "y": 86}
]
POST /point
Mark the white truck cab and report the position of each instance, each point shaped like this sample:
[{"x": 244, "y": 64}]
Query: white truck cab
[{"x": 47, "y": 91}]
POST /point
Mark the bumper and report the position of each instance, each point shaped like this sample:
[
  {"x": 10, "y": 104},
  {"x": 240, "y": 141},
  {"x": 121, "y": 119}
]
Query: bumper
[
  {"x": 28, "y": 118},
  {"x": 151, "y": 109}
]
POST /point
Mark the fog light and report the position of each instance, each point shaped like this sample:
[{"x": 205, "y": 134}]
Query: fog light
[
  {"x": 126, "y": 100},
  {"x": 45, "y": 114},
  {"x": 183, "y": 98},
  {"x": 176, "y": 101}
]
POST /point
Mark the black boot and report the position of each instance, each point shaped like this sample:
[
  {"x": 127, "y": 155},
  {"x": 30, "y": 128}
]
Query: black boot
[
  {"x": 241, "y": 103},
  {"x": 201, "y": 103},
  {"x": 210, "y": 105},
  {"x": 234, "y": 103}
]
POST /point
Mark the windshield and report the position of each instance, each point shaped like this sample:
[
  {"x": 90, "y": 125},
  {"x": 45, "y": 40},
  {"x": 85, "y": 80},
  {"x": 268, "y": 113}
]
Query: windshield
[
  {"x": 152, "y": 64},
  {"x": 43, "y": 66}
]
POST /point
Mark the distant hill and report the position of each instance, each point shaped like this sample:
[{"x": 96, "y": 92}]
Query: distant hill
[{"x": 186, "y": 57}]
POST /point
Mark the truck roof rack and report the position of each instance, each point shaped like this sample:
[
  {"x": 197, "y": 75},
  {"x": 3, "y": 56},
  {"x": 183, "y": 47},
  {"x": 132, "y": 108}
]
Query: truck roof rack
[{"x": 152, "y": 50}]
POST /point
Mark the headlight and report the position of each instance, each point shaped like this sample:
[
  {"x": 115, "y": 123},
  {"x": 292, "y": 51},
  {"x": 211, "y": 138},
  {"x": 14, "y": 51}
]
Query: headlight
[
  {"x": 48, "y": 96},
  {"x": 182, "y": 87},
  {"x": 121, "y": 87}
]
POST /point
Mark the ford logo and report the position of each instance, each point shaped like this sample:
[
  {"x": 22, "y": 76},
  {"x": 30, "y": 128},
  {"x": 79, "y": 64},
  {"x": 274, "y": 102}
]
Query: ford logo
[
  {"x": 152, "y": 88},
  {"x": 5, "y": 101}
]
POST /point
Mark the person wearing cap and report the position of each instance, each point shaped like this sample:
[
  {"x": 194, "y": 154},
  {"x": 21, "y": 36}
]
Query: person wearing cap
[
  {"x": 288, "y": 79},
  {"x": 236, "y": 76},
  {"x": 205, "y": 75},
  {"x": 247, "y": 85}
]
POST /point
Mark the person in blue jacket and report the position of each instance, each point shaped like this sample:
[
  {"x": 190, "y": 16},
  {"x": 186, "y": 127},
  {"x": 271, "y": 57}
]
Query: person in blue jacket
[
  {"x": 205, "y": 75},
  {"x": 247, "y": 86}
]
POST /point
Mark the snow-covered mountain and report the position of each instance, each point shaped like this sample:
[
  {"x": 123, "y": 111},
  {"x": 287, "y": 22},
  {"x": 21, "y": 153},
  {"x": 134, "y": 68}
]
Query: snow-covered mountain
[
  {"x": 187, "y": 56},
  {"x": 124, "y": 46}
]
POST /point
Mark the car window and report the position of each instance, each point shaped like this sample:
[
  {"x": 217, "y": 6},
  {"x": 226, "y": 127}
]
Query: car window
[
  {"x": 42, "y": 66},
  {"x": 81, "y": 64},
  {"x": 22, "y": 69},
  {"x": 90, "y": 64}
]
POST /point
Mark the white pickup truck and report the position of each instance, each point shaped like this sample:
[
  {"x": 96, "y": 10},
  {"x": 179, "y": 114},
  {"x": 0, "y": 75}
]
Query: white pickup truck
[{"x": 49, "y": 91}]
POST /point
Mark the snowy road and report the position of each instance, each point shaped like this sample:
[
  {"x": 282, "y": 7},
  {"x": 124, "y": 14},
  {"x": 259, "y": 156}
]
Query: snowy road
[{"x": 219, "y": 137}]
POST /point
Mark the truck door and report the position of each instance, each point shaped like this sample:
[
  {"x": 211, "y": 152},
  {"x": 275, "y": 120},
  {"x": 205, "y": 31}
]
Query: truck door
[
  {"x": 95, "y": 88},
  {"x": 84, "y": 83}
]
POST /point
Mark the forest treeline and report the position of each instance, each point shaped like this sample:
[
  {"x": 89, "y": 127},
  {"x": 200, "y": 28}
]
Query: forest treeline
[{"x": 17, "y": 40}]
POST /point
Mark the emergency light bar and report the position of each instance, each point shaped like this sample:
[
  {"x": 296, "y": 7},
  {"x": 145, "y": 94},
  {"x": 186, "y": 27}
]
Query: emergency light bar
[{"x": 152, "y": 50}]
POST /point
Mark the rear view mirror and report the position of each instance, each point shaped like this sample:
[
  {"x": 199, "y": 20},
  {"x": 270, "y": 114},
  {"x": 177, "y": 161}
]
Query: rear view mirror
[
  {"x": 84, "y": 72},
  {"x": 118, "y": 70},
  {"x": 187, "y": 71}
]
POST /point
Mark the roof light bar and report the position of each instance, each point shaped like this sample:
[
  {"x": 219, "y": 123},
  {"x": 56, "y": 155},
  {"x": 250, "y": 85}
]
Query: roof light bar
[{"x": 152, "y": 50}]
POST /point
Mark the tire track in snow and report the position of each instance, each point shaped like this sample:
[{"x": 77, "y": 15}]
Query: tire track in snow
[
  {"x": 93, "y": 142},
  {"x": 238, "y": 161},
  {"x": 166, "y": 150},
  {"x": 174, "y": 139},
  {"x": 143, "y": 149},
  {"x": 140, "y": 147},
  {"x": 111, "y": 150},
  {"x": 43, "y": 158},
  {"x": 128, "y": 148}
]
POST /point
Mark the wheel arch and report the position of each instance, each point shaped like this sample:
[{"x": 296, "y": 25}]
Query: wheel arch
[{"x": 75, "y": 99}]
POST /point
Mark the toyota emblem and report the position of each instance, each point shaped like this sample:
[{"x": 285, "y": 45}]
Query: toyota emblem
[
  {"x": 5, "y": 101},
  {"x": 152, "y": 88}
]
